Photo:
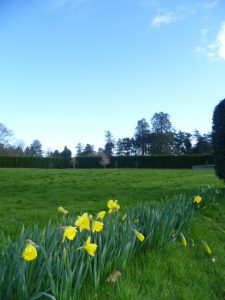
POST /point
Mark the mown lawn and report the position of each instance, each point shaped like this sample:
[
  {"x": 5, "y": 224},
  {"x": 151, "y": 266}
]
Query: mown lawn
[{"x": 30, "y": 196}]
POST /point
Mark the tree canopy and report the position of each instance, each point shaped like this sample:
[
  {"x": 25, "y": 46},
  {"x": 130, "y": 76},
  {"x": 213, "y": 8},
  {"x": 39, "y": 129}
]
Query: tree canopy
[{"x": 156, "y": 137}]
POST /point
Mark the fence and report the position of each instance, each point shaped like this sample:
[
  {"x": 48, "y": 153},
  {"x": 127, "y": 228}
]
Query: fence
[{"x": 203, "y": 167}]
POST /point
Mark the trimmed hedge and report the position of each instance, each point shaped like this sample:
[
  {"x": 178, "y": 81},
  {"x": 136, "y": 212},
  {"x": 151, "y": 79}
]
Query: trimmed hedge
[
  {"x": 169, "y": 161},
  {"x": 34, "y": 162}
]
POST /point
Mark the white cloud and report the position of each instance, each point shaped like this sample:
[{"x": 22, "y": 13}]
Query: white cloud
[
  {"x": 221, "y": 41},
  {"x": 213, "y": 50},
  {"x": 164, "y": 19}
]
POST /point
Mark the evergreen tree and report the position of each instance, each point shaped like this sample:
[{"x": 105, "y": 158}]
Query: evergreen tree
[
  {"x": 161, "y": 123},
  {"x": 182, "y": 143},
  {"x": 203, "y": 143},
  {"x": 88, "y": 151},
  {"x": 79, "y": 149},
  {"x": 162, "y": 137},
  {"x": 110, "y": 144},
  {"x": 35, "y": 149},
  {"x": 66, "y": 153},
  {"x": 218, "y": 138},
  {"x": 125, "y": 146},
  {"x": 142, "y": 136},
  {"x": 56, "y": 154}
]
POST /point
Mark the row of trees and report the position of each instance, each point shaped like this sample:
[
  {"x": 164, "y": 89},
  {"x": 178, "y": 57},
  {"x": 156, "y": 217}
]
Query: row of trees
[
  {"x": 10, "y": 147},
  {"x": 155, "y": 138}
]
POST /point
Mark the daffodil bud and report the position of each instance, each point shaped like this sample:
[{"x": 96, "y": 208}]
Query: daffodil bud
[
  {"x": 183, "y": 240},
  {"x": 207, "y": 248}
]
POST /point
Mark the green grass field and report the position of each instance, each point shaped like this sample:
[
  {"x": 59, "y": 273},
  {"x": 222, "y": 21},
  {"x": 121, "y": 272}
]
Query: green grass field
[{"x": 30, "y": 196}]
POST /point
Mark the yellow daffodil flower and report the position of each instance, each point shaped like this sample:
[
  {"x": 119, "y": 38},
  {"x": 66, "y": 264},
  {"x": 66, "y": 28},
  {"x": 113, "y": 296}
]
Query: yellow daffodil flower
[
  {"x": 70, "y": 233},
  {"x": 139, "y": 235},
  {"x": 62, "y": 210},
  {"x": 183, "y": 240},
  {"x": 89, "y": 247},
  {"x": 83, "y": 222},
  {"x": 197, "y": 199},
  {"x": 30, "y": 252},
  {"x": 112, "y": 206},
  {"x": 101, "y": 215},
  {"x": 207, "y": 249},
  {"x": 97, "y": 226}
]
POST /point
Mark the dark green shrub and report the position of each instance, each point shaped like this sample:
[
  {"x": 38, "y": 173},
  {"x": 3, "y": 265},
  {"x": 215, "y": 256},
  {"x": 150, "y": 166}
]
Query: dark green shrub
[{"x": 218, "y": 137}]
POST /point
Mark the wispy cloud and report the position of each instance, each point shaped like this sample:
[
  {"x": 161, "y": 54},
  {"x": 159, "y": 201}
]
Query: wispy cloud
[
  {"x": 210, "y": 4},
  {"x": 163, "y": 19},
  {"x": 213, "y": 50},
  {"x": 179, "y": 13},
  {"x": 62, "y": 3},
  {"x": 164, "y": 16}
]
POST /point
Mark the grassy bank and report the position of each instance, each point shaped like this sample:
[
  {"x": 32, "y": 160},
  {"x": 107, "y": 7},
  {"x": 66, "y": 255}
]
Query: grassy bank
[{"x": 30, "y": 196}]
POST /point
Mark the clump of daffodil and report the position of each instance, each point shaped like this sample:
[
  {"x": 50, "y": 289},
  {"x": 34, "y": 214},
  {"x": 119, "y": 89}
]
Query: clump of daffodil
[
  {"x": 197, "y": 199},
  {"x": 83, "y": 222},
  {"x": 62, "y": 210},
  {"x": 139, "y": 235},
  {"x": 183, "y": 239},
  {"x": 70, "y": 233},
  {"x": 97, "y": 226},
  {"x": 90, "y": 247},
  {"x": 113, "y": 206},
  {"x": 30, "y": 251},
  {"x": 207, "y": 248},
  {"x": 101, "y": 215}
]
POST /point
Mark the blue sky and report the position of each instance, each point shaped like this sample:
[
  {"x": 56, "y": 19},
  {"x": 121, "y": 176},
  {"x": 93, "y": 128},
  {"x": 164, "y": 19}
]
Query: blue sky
[{"x": 72, "y": 69}]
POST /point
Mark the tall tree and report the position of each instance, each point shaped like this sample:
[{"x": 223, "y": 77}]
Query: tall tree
[
  {"x": 5, "y": 136},
  {"x": 79, "y": 149},
  {"x": 66, "y": 153},
  {"x": 35, "y": 149},
  {"x": 88, "y": 151},
  {"x": 125, "y": 146},
  {"x": 161, "y": 143},
  {"x": 109, "y": 143},
  {"x": 56, "y": 154},
  {"x": 142, "y": 136},
  {"x": 182, "y": 143},
  {"x": 161, "y": 123},
  {"x": 162, "y": 135},
  {"x": 203, "y": 143},
  {"x": 218, "y": 138}
]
